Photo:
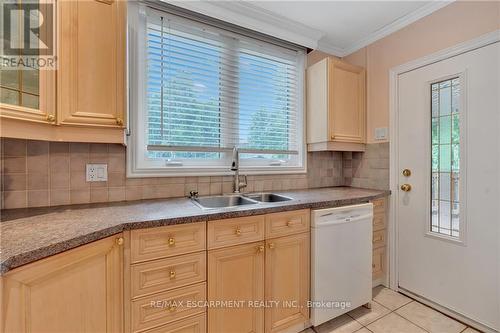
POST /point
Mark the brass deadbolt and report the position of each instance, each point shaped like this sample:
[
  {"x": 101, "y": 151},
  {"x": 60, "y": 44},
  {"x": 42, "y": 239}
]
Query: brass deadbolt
[{"x": 407, "y": 172}]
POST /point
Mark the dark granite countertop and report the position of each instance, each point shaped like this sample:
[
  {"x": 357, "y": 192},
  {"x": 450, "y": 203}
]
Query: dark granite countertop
[{"x": 31, "y": 234}]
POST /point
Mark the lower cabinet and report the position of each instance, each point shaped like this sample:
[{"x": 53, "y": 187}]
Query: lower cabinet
[
  {"x": 236, "y": 274},
  {"x": 80, "y": 290},
  {"x": 287, "y": 281},
  {"x": 273, "y": 274}
]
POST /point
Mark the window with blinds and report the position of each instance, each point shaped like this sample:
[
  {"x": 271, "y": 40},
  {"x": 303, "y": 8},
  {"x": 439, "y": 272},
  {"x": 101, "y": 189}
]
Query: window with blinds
[{"x": 209, "y": 89}]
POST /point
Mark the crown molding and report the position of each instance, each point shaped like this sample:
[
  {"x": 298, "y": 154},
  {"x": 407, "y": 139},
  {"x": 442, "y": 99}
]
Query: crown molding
[
  {"x": 255, "y": 18},
  {"x": 396, "y": 25}
]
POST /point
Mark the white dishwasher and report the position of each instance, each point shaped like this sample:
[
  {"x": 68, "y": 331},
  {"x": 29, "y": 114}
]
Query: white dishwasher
[{"x": 341, "y": 260}]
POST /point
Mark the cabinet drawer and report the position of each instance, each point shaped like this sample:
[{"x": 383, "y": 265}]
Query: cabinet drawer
[
  {"x": 235, "y": 231},
  {"x": 379, "y": 206},
  {"x": 196, "y": 324},
  {"x": 378, "y": 262},
  {"x": 166, "y": 307},
  {"x": 164, "y": 274},
  {"x": 287, "y": 223},
  {"x": 161, "y": 242},
  {"x": 378, "y": 238},
  {"x": 378, "y": 222}
]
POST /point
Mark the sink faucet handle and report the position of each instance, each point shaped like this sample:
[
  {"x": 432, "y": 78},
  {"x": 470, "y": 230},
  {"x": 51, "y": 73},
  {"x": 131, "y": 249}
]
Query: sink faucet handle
[
  {"x": 244, "y": 183},
  {"x": 193, "y": 194}
]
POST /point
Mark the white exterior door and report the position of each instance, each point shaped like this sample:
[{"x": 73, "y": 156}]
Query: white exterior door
[{"x": 449, "y": 221}]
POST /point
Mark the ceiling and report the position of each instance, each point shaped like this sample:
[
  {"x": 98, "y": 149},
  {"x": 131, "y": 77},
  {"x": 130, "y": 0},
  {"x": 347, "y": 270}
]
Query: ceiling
[{"x": 337, "y": 27}]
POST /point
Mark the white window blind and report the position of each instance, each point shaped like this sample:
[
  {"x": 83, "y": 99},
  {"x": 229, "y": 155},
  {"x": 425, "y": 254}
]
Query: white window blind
[{"x": 210, "y": 89}]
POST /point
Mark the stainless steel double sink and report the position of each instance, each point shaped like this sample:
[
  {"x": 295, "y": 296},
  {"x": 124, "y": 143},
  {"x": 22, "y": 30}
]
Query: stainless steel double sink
[{"x": 235, "y": 200}]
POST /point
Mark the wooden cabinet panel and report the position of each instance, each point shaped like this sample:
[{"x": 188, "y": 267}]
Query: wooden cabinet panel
[
  {"x": 378, "y": 222},
  {"x": 241, "y": 230},
  {"x": 80, "y": 290},
  {"x": 91, "y": 75},
  {"x": 379, "y": 206},
  {"x": 162, "y": 242},
  {"x": 165, "y": 274},
  {"x": 336, "y": 110},
  {"x": 162, "y": 308},
  {"x": 378, "y": 238},
  {"x": 196, "y": 324},
  {"x": 287, "y": 223},
  {"x": 378, "y": 262},
  {"x": 236, "y": 273},
  {"x": 287, "y": 281},
  {"x": 346, "y": 117}
]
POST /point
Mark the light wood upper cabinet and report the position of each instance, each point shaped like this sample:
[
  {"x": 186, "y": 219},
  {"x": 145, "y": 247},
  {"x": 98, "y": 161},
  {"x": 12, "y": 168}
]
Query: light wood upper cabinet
[
  {"x": 84, "y": 100},
  {"x": 336, "y": 110},
  {"x": 80, "y": 290},
  {"x": 236, "y": 273},
  {"x": 287, "y": 281},
  {"x": 92, "y": 62}
]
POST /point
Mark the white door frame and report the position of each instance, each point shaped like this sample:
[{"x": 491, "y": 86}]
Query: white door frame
[{"x": 394, "y": 72}]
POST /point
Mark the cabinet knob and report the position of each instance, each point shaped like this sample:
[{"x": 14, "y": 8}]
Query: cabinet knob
[
  {"x": 51, "y": 118},
  {"x": 119, "y": 121},
  {"x": 238, "y": 231},
  {"x": 171, "y": 241},
  {"x": 271, "y": 245},
  {"x": 172, "y": 274},
  {"x": 119, "y": 241},
  {"x": 260, "y": 248}
]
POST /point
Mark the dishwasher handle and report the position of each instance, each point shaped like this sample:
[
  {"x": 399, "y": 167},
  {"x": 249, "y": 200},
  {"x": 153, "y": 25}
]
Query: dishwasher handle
[{"x": 347, "y": 219}]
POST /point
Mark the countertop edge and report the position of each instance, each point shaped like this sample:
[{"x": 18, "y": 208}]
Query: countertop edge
[{"x": 25, "y": 258}]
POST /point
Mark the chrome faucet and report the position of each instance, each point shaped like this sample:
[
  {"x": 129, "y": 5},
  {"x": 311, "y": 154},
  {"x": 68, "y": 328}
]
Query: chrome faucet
[{"x": 235, "y": 166}]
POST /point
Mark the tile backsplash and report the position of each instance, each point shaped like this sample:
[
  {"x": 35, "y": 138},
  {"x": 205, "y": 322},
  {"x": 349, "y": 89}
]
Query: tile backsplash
[
  {"x": 369, "y": 169},
  {"x": 40, "y": 173}
]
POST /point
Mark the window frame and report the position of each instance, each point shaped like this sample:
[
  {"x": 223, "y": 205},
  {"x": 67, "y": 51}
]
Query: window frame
[{"x": 137, "y": 163}]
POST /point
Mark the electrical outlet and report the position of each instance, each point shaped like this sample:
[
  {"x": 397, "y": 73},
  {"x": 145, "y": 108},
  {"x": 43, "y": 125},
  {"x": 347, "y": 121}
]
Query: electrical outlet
[{"x": 97, "y": 172}]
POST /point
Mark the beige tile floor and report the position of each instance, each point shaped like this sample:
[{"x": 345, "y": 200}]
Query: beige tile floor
[{"x": 392, "y": 312}]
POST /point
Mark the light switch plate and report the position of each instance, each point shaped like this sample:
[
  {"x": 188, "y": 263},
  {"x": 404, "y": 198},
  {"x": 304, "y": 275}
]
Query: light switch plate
[
  {"x": 381, "y": 133},
  {"x": 97, "y": 172}
]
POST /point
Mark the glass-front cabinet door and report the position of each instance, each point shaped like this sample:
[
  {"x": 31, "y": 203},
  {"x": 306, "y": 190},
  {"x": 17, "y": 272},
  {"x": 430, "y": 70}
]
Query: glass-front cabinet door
[{"x": 27, "y": 82}]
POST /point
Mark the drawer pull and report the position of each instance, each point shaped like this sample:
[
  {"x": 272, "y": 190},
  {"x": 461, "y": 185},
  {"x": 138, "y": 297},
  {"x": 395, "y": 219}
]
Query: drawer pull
[
  {"x": 172, "y": 274},
  {"x": 238, "y": 231},
  {"x": 171, "y": 241},
  {"x": 260, "y": 248}
]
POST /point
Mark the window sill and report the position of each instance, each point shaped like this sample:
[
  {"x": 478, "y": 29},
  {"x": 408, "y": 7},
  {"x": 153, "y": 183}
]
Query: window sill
[{"x": 194, "y": 172}]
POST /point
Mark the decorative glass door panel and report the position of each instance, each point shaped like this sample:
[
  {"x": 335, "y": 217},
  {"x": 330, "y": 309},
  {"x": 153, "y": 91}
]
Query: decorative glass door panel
[{"x": 445, "y": 121}]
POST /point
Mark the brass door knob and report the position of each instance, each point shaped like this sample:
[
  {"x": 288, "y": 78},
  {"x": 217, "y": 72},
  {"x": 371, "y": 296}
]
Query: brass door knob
[
  {"x": 406, "y": 187},
  {"x": 271, "y": 245},
  {"x": 260, "y": 248},
  {"x": 51, "y": 118},
  {"x": 172, "y": 274},
  {"x": 119, "y": 241},
  {"x": 119, "y": 121},
  {"x": 172, "y": 308},
  {"x": 238, "y": 231},
  {"x": 171, "y": 241}
]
